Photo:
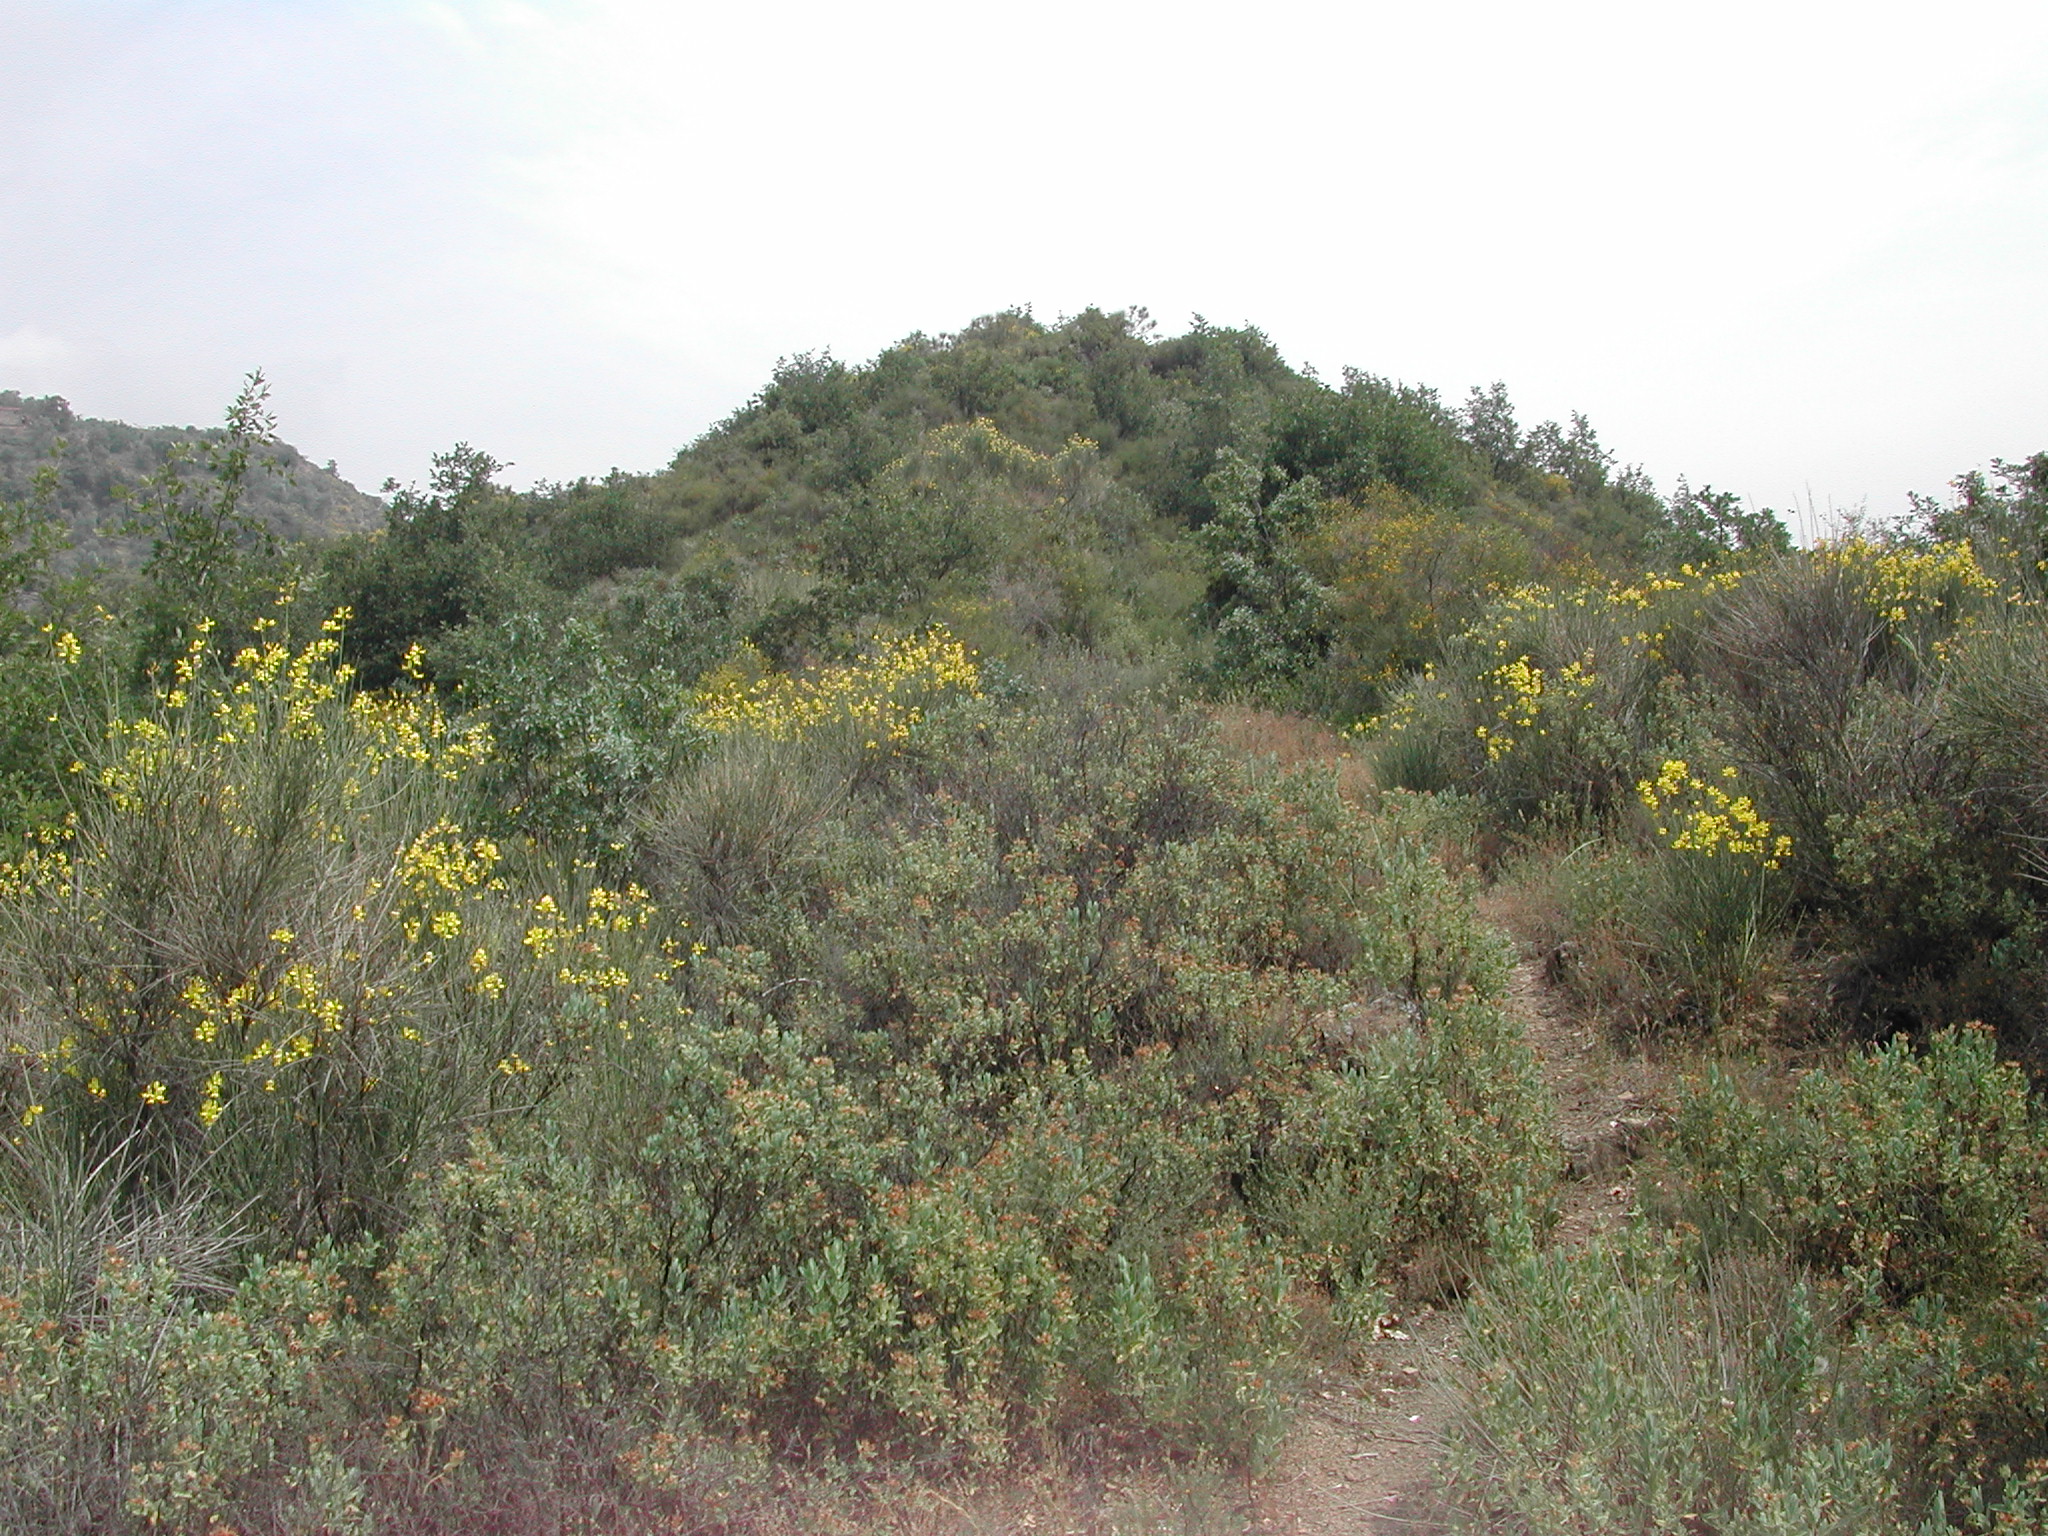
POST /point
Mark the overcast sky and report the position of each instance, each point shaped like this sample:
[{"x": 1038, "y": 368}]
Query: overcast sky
[{"x": 1795, "y": 250}]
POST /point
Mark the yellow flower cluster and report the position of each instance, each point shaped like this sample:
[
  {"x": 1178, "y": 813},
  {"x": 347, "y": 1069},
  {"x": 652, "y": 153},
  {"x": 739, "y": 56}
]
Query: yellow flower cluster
[
  {"x": 64, "y": 645},
  {"x": 271, "y": 687},
  {"x": 576, "y": 944},
  {"x": 409, "y": 951},
  {"x": 1708, "y": 816},
  {"x": 1621, "y": 603},
  {"x": 885, "y": 696},
  {"x": 1902, "y": 582},
  {"x": 1520, "y": 694}
]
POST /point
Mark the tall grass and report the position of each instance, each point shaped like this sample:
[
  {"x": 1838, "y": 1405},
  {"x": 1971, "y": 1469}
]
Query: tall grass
[{"x": 1615, "y": 1390}]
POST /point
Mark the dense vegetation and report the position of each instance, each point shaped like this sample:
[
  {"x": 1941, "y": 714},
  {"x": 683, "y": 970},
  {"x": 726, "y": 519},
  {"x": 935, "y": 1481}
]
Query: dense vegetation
[
  {"x": 670, "y": 1001},
  {"x": 98, "y": 461}
]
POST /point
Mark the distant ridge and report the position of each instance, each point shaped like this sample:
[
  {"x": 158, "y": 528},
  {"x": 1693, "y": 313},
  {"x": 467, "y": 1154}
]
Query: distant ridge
[{"x": 298, "y": 501}]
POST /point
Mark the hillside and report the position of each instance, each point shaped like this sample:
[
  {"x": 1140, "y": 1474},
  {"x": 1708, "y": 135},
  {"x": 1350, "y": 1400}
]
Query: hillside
[
  {"x": 1089, "y": 483},
  {"x": 1061, "y": 929},
  {"x": 299, "y": 501}
]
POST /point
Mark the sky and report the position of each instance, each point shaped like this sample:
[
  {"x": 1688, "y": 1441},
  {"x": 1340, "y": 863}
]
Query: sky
[{"x": 1794, "y": 250}]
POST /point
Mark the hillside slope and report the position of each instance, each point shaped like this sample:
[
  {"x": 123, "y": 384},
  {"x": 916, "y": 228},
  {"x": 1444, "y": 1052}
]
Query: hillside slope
[{"x": 297, "y": 500}]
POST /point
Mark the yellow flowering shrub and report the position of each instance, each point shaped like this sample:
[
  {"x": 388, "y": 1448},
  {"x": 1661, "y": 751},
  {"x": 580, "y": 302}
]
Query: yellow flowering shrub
[
  {"x": 1547, "y": 703},
  {"x": 882, "y": 698},
  {"x": 1710, "y": 816},
  {"x": 1904, "y": 582},
  {"x": 271, "y": 928},
  {"x": 1526, "y": 700}
]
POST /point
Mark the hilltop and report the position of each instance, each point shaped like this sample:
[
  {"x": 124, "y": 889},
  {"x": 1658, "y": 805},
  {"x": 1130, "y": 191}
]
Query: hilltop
[{"x": 298, "y": 501}]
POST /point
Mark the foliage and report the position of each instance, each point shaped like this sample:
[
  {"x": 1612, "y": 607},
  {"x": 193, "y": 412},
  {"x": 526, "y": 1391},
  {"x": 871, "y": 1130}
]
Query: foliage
[
  {"x": 156, "y": 1409},
  {"x": 1613, "y": 1391},
  {"x": 2003, "y": 517},
  {"x": 210, "y": 559},
  {"x": 584, "y": 728},
  {"x": 1398, "y": 577},
  {"x": 446, "y": 556},
  {"x": 991, "y": 1109},
  {"x": 1007, "y": 1065},
  {"x": 265, "y": 937},
  {"x": 1371, "y": 432},
  {"x": 1914, "y": 1170},
  {"x": 1269, "y": 625},
  {"x": 1709, "y": 527},
  {"x": 979, "y": 530},
  {"x": 738, "y": 838},
  {"x": 1908, "y": 1182},
  {"x": 952, "y": 1158}
]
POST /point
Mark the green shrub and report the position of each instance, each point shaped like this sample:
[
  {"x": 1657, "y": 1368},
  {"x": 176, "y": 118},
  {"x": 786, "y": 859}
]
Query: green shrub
[
  {"x": 1610, "y": 1390},
  {"x": 1914, "y": 1170},
  {"x": 155, "y": 1410},
  {"x": 1964, "y": 1394},
  {"x": 1412, "y": 1157},
  {"x": 1581, "y": 910},
  {"x": 582, "y": 731},
  {"x": 1016, "y": 1125},
  {"x": 741, "y": 835},
  {"x": 794, "y": 1256},
  {"x": 1909, "y": 1183}
]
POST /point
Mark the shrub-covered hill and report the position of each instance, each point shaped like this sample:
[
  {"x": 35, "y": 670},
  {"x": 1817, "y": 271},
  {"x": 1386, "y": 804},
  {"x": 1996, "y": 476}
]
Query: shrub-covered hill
[
  {"x": 740, "y": 998},
  {"x": 1089, "y": 482},
  {"x": 298, "y": 501}
]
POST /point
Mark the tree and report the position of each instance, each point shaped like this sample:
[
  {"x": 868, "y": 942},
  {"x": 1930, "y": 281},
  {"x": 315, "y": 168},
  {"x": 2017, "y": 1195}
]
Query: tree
[
  {"x": 1489, "y": 424},
  {"x": 2004, "y": 515},
  {"x": 1575, "y": 456},
  {"x": 1373, "y": 431},
  {"x": 207, "y": 556},
  {"x": 448, "y": 555},
  {"x": 1270, "y": 623},
  {"x": 1705, "y": 526}
]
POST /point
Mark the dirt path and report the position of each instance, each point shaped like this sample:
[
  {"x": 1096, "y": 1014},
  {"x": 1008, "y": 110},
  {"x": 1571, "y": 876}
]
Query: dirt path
[{"x": 1362, "y": 1459}]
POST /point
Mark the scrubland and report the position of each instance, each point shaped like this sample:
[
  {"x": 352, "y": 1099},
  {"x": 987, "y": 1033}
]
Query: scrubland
[{"x": 939, "y": 963}]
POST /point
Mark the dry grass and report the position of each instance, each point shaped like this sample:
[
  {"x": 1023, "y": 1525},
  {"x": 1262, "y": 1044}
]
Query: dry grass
[
  {"x": 1056, "y": 1494},
  {"x": 1289, "y": 741}
]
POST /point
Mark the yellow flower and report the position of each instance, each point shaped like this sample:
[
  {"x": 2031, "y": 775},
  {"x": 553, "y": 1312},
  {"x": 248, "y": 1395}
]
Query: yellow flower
[
  {"x": 155, "y": 1093},
  {"x": 1701, "y": 816},
  {"x": 885, "y": 692}
]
